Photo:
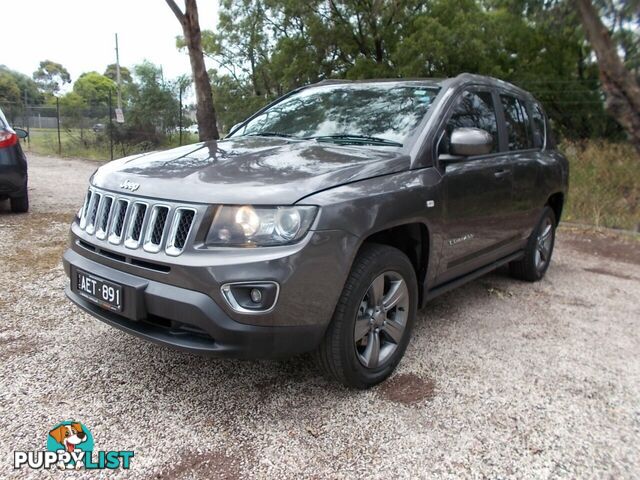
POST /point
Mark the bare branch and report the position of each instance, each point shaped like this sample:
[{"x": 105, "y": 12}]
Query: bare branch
[{"x": 176, "y": 10}]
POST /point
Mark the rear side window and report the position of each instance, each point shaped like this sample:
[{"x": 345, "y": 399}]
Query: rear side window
[
  {"x": 539, "y": 126},
  {"x": 517, "y": 122},
  {"x": 475, "y": 110}
]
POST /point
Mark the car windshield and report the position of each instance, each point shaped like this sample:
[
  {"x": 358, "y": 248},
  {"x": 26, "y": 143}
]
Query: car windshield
[{"x": 381, "y": 113}]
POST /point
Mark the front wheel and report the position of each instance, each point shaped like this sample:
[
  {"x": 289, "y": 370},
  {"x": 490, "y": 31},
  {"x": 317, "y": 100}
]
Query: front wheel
[{"x": 371, "y": 326}]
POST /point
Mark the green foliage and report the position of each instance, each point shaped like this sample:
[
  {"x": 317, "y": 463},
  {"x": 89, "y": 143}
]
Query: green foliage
[
  {"x": 94, "y": 88},
  {"x": 77, "y": 143},
  {"x": 25, "y": 85},
  {"x": 264, "y": 48},
  {"x": 153, "y": 105},
  {"x": 51, "y": 76},
  {"x": 603, "y": 190},
  {"x": 125, "y": 73},
  {"x": 9, "y": 89}
]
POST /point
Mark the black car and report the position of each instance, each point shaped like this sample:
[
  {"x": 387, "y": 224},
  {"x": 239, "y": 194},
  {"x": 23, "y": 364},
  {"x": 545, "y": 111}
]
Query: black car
[{"x": 13, "y": 167}]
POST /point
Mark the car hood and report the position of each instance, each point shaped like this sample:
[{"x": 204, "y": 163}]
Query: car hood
[{"x": 256, "y": 170}]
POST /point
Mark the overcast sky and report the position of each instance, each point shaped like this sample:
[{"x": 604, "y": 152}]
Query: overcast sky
[{"x": 79, "y": 34}]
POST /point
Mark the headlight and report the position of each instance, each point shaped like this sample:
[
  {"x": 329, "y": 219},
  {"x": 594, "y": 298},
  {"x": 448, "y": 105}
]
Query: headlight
[{"x": 259, "y": 226}]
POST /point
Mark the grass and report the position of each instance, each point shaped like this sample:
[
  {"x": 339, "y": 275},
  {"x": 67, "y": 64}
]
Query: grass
[
  {"x": 604, "y": 184},
  {"x": 76, "y": 143}
]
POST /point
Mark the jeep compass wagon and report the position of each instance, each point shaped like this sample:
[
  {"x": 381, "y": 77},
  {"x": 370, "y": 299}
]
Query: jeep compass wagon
[{"x": 323, "y": 222}]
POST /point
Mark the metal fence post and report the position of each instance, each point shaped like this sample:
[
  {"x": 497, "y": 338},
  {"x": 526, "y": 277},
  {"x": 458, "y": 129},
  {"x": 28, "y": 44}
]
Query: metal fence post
[
  {"x": 110, "y": 127},
  {"x": 58, "y": 122},
  {"x": 26, "y": 108}
]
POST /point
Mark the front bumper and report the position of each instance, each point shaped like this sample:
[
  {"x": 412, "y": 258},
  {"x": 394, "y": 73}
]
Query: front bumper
[{"x": 187, "y": 319}]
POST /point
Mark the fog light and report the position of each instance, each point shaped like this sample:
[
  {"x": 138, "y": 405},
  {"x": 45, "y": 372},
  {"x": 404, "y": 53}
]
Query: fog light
[{"x": 256, "y": 295}]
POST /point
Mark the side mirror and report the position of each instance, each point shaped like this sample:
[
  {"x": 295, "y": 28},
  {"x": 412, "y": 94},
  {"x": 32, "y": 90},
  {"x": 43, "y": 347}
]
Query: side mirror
[
  {"x": 21, "y": 133},
  {"x": 468, "y": 142}
]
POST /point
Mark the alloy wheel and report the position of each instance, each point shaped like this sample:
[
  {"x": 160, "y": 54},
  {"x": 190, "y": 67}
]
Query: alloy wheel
[
  {"x": 381, "y": 319},
  {"x": 544, "y": 243}
]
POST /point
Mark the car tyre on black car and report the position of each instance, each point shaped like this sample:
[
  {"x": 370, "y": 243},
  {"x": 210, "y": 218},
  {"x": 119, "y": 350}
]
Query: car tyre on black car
[{"x": 20, "y": 204}]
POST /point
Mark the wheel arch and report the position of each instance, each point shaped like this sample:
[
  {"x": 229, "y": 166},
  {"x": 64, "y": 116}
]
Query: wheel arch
[
  {"x": 411, "y": 238},
  {"x": 556, "y": 203}
]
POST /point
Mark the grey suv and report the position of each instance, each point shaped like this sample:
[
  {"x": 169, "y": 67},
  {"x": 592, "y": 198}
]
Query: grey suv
[{"x": 323, "y": 222}]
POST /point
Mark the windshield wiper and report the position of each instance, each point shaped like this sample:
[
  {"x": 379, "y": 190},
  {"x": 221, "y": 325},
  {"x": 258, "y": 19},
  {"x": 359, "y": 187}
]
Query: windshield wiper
[
  {"x": 358, "y": 138},
  {"x": 269, "y": 134}
]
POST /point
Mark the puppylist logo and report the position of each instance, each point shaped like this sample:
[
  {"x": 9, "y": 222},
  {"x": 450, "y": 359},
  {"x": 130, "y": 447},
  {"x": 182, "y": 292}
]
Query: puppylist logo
[{"x": 70, "y": 446}]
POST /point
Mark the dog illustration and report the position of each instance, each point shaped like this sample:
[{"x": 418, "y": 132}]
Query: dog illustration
[{"x": 69, "y": 436}]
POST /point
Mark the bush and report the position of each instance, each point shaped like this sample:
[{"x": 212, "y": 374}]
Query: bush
[{"x": 604, "y": 184}]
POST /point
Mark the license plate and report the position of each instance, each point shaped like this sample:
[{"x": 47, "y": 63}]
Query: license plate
[{"x": 100, "y": 291}]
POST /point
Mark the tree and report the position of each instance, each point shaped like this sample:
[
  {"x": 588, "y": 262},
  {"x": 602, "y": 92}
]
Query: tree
[
  {"x": 621, "y": 85},
  {"x": 94, "y": 88},
  {"x": 154, "y": 107},
  {"x": 72, "y": 108},
  {"x": 205, "y": 111},
  {"x": 125, "y": 74},
  {"x": 9, "y": 90},
  {"x": 50, "y": 76},
  {"x": 27, "y": 86}
]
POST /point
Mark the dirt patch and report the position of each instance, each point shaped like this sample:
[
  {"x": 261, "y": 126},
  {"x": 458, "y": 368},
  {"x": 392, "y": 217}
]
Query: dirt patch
[
  {"x": 604, "y": 244},
  {"x": 18, "y": 346},
  {"x": 604, "y": 271},
  {"x": 407, "y": 389},
  {"x": 37, "y": 241},
  {"x": 213, "y": 465}
]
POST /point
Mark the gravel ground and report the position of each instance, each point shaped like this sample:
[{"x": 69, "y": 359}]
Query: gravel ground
[{"x": 502, "y": 379}]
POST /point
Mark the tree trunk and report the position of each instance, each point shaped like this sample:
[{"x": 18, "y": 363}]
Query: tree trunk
[
  {"x": 620, "y": 85},
  {"x": 205, "y": 111}
]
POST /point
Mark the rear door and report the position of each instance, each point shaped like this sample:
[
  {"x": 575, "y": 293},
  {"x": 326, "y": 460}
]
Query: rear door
[
  {"x": 525, "y": 142},
  {"x": 477, "y": 191}
]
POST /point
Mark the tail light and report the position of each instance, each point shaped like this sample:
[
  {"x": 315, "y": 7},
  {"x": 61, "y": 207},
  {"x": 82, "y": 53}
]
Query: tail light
[{"x": 7, "y": 138}]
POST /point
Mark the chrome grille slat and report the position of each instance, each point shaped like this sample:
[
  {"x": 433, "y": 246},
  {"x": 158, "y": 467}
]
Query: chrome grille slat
[
  {"x": 135, "y": 225},
  {"x": 85, "y": 208},
  {"x": 156, "y": 228},
  {"x": 183, "y": 220},
  {"x": 126, "y": 220},
  {"x": 118, "y": 221},
  {"x": 94, "y": 206},
  {"x": 103, "y": 217}
]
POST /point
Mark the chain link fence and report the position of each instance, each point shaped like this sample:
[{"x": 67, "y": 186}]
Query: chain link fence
[{"x": 95, "y": 132}]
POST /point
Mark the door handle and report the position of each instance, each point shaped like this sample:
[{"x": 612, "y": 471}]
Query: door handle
[{"x": 502, "y": 173}]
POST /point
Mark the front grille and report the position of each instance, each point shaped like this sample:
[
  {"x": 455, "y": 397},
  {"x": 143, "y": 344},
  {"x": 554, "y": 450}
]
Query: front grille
[{"x": 137, "y": 224}]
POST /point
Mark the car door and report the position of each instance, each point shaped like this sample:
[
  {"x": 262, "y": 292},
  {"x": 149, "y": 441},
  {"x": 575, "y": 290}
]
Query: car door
[
  {"x": 525, "y": 144},
  {"x": 476, "y": 190}
]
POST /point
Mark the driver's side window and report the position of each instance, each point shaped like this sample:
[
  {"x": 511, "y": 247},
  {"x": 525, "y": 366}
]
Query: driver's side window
[{"x": 473, "y": 109}]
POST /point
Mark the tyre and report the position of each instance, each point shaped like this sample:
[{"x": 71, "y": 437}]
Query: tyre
[
  {"x": 372, "y": 322},
  {"x": 20, "y": 204},
  {"x": 537, "y": 254}
]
